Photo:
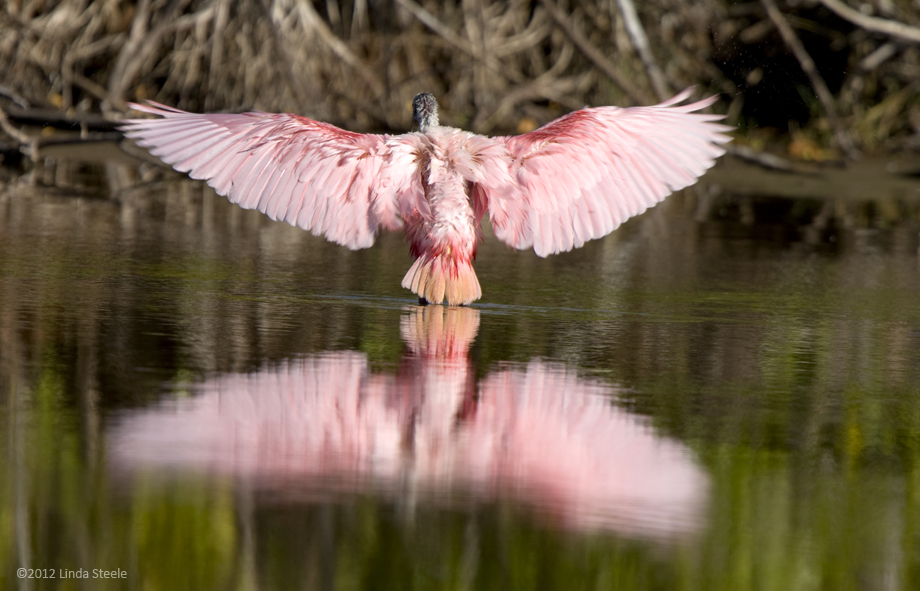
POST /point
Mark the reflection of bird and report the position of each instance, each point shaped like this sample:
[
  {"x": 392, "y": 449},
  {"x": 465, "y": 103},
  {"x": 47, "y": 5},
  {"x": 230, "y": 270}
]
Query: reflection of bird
[
  {"x": 538, "y": 434},
  {"x": 574, "y": 179}
]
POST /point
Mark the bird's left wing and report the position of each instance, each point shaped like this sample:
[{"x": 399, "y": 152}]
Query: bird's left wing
[
  {"x": 582, "y": 175},
  {"x": 336, "y": 183}
]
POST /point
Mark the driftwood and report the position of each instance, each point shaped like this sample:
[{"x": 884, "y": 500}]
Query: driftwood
[
  {"x": 58, "y": 120},
  {"x": 767, "y": 160},
  {"x": 30, "y": 144}
]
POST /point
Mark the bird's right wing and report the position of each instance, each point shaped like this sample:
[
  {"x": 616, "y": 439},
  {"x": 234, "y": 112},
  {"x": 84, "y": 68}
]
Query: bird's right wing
[
  {"x": 336, "y": 183},
  {"x": 582, "y": 175}
]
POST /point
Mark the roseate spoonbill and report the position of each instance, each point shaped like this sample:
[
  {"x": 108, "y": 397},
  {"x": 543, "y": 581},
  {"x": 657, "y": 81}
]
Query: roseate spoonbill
[{"x": 572, "y": 180}]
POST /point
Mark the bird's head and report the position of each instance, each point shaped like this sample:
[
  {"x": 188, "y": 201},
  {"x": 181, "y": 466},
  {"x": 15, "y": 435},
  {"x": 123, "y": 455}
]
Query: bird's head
[{"x": 425, "y": 110}]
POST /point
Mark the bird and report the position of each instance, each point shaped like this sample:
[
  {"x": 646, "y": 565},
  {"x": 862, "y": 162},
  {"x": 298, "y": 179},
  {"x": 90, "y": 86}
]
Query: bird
[{"x": 575, "y": 179}]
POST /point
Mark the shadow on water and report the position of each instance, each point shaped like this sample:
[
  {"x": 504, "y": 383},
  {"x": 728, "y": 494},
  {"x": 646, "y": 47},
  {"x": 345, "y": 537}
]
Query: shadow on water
[{"x": 722, "y": 394}]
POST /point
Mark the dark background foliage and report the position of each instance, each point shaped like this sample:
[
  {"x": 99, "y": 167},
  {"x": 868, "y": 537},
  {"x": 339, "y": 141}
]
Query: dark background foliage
[{"x": 496, "y": 66}]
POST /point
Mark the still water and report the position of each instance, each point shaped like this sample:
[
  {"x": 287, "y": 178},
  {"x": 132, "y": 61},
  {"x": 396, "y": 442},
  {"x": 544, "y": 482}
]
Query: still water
[{"x": 723, "y": 394}]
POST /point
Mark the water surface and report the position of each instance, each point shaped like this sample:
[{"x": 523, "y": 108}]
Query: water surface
[{"x": 723, "y": 394}]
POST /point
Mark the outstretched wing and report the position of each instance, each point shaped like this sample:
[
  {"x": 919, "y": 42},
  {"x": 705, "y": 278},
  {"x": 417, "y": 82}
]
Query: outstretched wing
[
  {"x": 333, "y": 182},
  {"x": 582, "y": 175}
]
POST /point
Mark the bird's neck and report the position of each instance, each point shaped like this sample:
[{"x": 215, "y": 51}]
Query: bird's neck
[{"x": 428, "y": 121}]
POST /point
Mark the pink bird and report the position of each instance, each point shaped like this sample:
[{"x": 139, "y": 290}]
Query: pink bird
[{"x": 575, "y": 179}]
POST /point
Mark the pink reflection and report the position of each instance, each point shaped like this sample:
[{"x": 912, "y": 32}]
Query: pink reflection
[{"x": 535, "y": 434}]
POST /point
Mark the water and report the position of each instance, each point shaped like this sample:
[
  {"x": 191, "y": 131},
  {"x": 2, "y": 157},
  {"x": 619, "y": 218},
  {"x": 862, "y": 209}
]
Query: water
[{"x": 723, "y": 394}]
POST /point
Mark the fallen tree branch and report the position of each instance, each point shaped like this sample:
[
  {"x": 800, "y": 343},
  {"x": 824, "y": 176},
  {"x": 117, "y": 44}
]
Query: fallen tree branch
[
  {"x": 767, "y": 160},
  {"x": 92, "y": 138},
  {"x": 132, "y": 149},
  {"x": 59, "y": 120}
]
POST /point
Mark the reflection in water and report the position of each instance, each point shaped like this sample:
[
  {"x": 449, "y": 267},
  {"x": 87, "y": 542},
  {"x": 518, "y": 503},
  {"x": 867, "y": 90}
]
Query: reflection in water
[
  {"x": 325, "y": 423},
  {"x": 792, "y": 367}
]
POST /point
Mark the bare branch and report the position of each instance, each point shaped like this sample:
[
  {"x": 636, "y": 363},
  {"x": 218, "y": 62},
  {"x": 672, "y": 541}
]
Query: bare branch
[
  {"x": 311, "y": 19},
  {"x": 12, "y": 131},
  {"x": 294, "y": 82},
  {"x": 140, "y": 46},
  {"x": 871, "y": 23},
  {"x": 217, "y": 49},
  {"x": 764, "y": 159},
  {"x": 28, "y": 145},
  {"x": 591, "y": 52},
  {"x": 550, "y": 84},
  {"x": 536, "y": 31},
  {"x": 640, "y": 42},
  {"x": 817, "y": 82},
  {"x": 14, "y": 96},
  {"x": 878, "y": 57},
  {"x": 429, "y": 20}
]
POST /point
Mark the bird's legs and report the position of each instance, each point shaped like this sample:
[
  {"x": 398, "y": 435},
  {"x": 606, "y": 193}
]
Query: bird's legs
[{"x": 423, "y": 302}]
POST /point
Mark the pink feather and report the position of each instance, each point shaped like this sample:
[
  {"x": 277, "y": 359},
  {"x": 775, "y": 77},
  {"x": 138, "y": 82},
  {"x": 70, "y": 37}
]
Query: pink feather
[
  {"x": 635, "y": 157},
  {"x": 573, "y": 180}
]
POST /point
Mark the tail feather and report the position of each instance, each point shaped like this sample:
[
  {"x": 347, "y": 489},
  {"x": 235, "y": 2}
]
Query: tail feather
[{"x": 438, "y": 277}]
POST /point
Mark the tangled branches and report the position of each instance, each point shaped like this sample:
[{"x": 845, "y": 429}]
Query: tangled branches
[{"x": 495, "y": 65}]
